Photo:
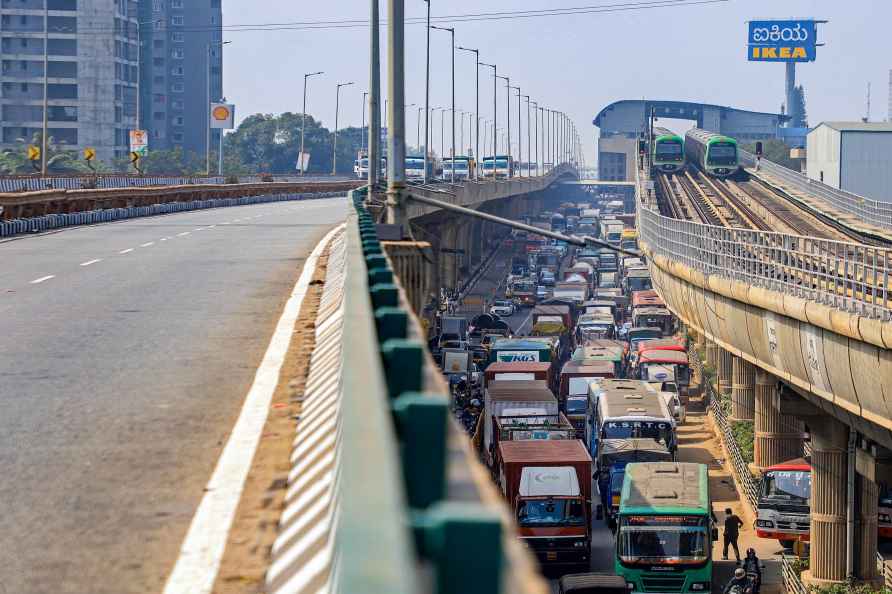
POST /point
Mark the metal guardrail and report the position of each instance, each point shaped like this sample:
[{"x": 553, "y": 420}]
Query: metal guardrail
[
  {"x": 739, "y": 466},
  {"x": 32, "y": 183},
  {"x": 13, "y": 227},
  {"x": 846, "y": 276},
  {"x": 391, "y": 480},
  {"x": 864, "y": 209},
  {"x": 792, "y": 580}
]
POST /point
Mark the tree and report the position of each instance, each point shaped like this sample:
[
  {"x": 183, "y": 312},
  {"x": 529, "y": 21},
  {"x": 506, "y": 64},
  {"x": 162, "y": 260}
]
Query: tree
[
  {"x": 798, "y": 108},
  {"x": 59, "y": 160},
  {"x": 269, "y": 143},
  {"x": 776, "y": 151}
]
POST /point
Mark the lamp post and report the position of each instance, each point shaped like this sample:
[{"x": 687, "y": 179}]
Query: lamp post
[
  {"x": 334, "y": 144},
  {"x": 508, "y": 119},
  {"x": 365, "y": 94},
  {"x": 418, "y": 130},
  {"x": 536, "y": 120},
  {"x": 443, "y": 132},
  {"x": 476, "y": 53},
  {"x": 519, "y": 129},
  {"x": 208, "y": 110},
  {"x": 529, "y": 128},
  {"x": 374, "y": 152},
  {"x": 427, "y": 90},
  {"x": 451, "y": 30},
  {"x": 495, "y": 103},
  {"x": 303, "y": 121},
  {"x": 461, "y": 128}
]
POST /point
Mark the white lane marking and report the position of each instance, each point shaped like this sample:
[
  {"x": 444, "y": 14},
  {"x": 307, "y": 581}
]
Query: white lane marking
[
  {"x": 183, "y": 234},
  {"x": 524, "y": 322},
  {"x": 199, "y": 229},
  {"x": 127, "y": 251},
  {"x": 147, "y": 244},
  {"x": 37, "y": 281},
  {"x": 89, "y": 262},
  {"x": 211, "y": 226},
  {"x": 165, "y": 238},
  {"x": 199, "y": 560}
]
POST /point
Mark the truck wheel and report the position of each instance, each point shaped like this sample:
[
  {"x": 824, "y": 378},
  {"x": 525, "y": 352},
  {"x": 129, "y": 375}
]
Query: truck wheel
[{"x": 787, "y": 544}]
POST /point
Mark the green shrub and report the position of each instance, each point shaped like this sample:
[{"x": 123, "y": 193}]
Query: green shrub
[{"x": 742, "y": 432}]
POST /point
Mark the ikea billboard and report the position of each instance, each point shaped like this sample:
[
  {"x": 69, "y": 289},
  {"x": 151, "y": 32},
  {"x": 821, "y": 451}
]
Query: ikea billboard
[{"x": 782, "y": 41}]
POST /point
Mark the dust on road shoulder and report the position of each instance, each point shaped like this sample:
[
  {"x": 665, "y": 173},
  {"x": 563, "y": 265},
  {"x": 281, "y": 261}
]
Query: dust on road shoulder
[{"x": 254, "y": 529}]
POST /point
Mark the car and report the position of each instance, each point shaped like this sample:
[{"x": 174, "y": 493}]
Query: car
[
  {"x": 541, "y": 293},
  {"x": 502, "y": 307}
]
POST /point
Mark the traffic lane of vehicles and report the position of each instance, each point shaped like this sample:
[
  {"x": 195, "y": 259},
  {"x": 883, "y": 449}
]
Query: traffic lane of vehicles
[{"x": 121, "y": 379}]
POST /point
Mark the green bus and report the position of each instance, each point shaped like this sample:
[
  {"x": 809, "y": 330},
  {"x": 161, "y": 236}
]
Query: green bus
[{"x": 665, "y": 528}]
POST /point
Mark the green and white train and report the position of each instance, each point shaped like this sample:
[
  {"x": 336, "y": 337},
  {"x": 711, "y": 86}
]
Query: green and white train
[
  {"x": 715, "y": 154},
  {"x": 667, "y": 155}
]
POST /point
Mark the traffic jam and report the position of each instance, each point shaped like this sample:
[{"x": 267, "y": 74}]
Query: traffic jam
[{"x": 572, "y": 385}]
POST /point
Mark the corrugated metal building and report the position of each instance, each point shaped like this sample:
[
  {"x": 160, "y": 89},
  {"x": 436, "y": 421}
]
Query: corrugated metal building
[{"x": 852, "y": 156}]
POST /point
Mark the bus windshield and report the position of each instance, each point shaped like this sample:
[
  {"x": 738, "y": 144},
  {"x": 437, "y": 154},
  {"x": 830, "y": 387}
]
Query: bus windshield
[
  {"x": 414, "y": 163},
  {"x": 577, "y": 405},
  {"x": 789, "y": 485},
  {"x": 550, "y": 512},
  {"x": 459, "y": 165},
  {"x": 663, "y": 539}
]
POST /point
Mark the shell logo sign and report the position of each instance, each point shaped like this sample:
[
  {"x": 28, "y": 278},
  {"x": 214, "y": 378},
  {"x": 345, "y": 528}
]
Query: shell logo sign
[{"x": 222, "y": 116}]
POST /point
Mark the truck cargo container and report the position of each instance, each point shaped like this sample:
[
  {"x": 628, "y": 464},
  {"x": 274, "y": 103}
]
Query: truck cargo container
[
  {"x": 548, "y": 486},
  {"x": 518, "y": 370},
  {"x": 500, "y": 398}
]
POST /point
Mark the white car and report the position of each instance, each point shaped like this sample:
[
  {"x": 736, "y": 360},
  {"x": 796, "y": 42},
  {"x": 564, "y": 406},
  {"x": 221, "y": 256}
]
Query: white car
[{"x": 502, "y": 308}]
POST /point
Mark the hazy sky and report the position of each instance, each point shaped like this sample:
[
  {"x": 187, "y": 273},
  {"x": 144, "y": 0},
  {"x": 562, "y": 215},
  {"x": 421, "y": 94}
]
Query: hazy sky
[{"x": 577, "y": 64}]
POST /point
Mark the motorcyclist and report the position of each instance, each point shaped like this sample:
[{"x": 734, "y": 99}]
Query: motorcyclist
[
  {"x": 739, "y": 583},
  {"x": 753, "y": 569}
]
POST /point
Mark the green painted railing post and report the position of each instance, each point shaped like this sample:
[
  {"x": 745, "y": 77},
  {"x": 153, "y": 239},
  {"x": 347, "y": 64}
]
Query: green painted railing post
[
  {"x": 421, "y": 424},
  {"x": 403, "y": 365},
  {"x": 391, "y": 322}
]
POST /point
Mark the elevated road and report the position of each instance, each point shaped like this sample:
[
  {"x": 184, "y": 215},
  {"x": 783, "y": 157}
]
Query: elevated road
[{"x": 125, "y": 353}]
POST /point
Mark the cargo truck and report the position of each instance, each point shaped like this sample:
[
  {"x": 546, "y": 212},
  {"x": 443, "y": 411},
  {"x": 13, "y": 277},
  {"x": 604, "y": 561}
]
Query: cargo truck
[
  {"x": 515, "y": 397},
  {"x": 548, "y": 486}
]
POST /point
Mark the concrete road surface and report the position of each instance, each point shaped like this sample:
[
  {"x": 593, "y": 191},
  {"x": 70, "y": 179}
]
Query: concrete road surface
[{"x": 125, "y": 353}]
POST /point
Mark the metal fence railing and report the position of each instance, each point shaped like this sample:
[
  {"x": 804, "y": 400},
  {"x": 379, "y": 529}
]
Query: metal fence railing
[
  {"x": 846, "y": 276},
  {"x": 864, "y": 209},
  {"x": 398, "y": 527},
  {"x": 25, "y": 183},
  {"x": 791, "y": 576}
]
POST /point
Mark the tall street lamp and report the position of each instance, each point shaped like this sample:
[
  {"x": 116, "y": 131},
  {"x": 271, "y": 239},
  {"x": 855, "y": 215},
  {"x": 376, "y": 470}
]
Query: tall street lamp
[
  {"x": 451, "y": 30},
  {"x": 495, "y": 103},
  {"x": 303, "y": 122},
  {"x": 476, "y": 53},
  {"x": 365, "y": 95},
  {"x": 536, "y": 133},
  {"x": 334, "y": 144},
  {"x": 427, "y": 91},
  {"x": 508, "y": 119},
  {"x": 529, "y": 129},
  {"x": 519, "y": 129},
  {"x": 207, "y": 118},
  {"x": 418, "y": 130}
]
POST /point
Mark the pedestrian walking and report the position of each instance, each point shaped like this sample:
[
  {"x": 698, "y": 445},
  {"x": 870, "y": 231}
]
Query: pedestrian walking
[{"x": 732, "y": 531}]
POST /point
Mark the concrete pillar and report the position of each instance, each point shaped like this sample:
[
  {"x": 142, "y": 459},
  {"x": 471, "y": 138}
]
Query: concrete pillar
[
  {"x": 778, "y": 437},
  {"x": 829, "y": 440},
  {"x": 867, "y": 494},
  {"x": 724, "y": 369},
  {"x": 447, "y": 259},
  {"x": 743, "y": 388},
  {"x": 476, "y": 242}
]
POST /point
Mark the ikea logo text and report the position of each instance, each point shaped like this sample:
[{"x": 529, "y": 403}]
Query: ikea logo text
[{"x": 778, "y": 53}]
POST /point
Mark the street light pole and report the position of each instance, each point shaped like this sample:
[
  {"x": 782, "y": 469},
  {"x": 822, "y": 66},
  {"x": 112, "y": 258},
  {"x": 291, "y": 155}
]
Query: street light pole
[
  {"x": 418, "y": 130},
  {"x": 365, "y": 95},
  {"x": 461, "y": 129},
  {"x": 519, "y": 129},
  {"x": 451, "y": 30},
  {"x": 303, "y": 122},
  {"x": 508, "y": 119},
  {"x": 46, "y": 86},
  {"x": 477, "y": 108},
  {"x": 529, "y": 132},
  {"x": 536, "y": 120},
  {"x": 427, "y": 91},
  {"x": 495, "y": 103},
  {"x": 334, "y": 144}
]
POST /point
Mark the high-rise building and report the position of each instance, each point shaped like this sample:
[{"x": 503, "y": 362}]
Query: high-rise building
[
  {"x": 181, "y": 48},
  {"x": 91, "y": 74}
]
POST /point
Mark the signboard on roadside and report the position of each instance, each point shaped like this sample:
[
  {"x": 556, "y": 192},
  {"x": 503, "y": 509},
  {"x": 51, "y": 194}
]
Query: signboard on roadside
[
  {"x": 782, "y": 41},
  {"x": 139, "y": 142},
  {"x": 303, "y": 161},
  {"x": 223, "y": 116}
]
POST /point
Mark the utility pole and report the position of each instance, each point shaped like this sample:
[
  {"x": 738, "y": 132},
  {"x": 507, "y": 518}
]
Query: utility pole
[
  {"x": 508, "y": 118},
  {"x": 334, "y": 144},
  {"x": 495, "y": 105},
  {"x": 396, "y": 120},
  {"x": 303, "y": 121},
  {"x": 427, "y": 90},
  {"x": 477, "y": 108}
]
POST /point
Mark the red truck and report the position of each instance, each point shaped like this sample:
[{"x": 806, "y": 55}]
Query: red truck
[{"x": 548, "y": 486}]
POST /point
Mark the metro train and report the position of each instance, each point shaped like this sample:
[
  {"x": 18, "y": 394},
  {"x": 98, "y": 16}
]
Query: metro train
[
  {"x": 715, "y": 154},
  {"x": 668, "y": 151}
]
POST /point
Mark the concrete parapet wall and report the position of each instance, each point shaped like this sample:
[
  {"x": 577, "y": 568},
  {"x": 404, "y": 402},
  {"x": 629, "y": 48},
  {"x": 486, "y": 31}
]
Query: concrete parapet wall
[{"x": 840, "y": 361}]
